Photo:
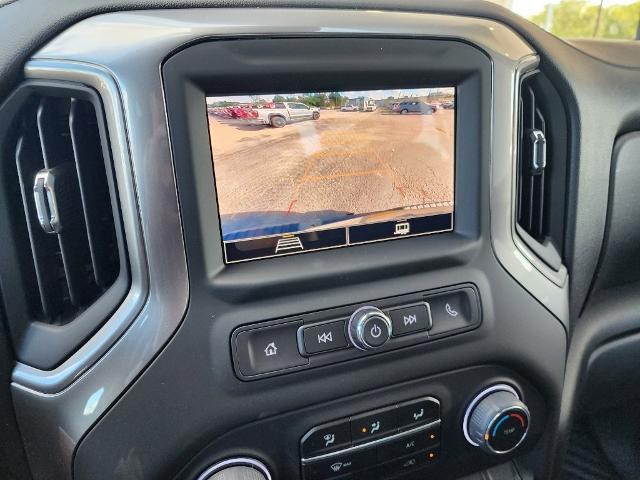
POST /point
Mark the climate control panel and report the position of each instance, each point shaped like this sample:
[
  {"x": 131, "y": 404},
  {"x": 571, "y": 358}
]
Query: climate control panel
[
  {"x": 436, "y": 427},
  {"x": 375, "y": 444},
  {"x": 343, "y": 333}
]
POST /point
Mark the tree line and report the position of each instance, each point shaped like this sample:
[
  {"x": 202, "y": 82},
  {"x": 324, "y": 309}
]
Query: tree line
[{"x": 583, "y": 19}]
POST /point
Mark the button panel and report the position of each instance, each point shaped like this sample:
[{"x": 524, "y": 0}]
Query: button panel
[
  {"x": 323, "y": 337},
  {"x": 377, "y": 443}
]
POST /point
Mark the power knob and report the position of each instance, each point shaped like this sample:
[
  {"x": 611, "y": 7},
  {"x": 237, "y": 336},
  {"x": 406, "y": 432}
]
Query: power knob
[
  {"x": 496, "y": 420},
  {"x": 369, "y": 328}
]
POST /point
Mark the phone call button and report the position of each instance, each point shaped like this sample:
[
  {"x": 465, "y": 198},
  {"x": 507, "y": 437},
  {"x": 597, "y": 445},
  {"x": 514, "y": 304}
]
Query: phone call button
[{"x": 451, "y": 311}]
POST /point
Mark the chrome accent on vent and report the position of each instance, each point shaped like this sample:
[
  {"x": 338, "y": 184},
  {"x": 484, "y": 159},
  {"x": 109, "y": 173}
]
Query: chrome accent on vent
[
  {"x": 538, "y": 151},
  {"x": 46, "y": 204}
]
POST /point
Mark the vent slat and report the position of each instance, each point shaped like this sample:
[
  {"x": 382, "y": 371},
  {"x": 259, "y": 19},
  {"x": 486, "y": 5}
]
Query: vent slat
[
  {"x": 44, "y": 248},
  {"x": 54, "y": 131},
  {"x": 530, "y": 202},
  {"x": 94, "y": 191},
  {"x": 55, "y": 139},
  {"x": 74, "y": 250}
]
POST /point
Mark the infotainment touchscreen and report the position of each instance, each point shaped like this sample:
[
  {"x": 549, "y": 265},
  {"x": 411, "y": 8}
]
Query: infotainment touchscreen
[{"x": 300, "y": 172}]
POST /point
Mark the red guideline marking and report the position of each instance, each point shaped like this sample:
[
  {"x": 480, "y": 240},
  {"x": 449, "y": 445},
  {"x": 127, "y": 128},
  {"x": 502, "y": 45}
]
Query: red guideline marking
[{"x": 291, "y": 205}]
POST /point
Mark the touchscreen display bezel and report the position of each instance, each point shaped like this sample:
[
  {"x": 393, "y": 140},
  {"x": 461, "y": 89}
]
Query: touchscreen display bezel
[{"x": 264, "y": 65}]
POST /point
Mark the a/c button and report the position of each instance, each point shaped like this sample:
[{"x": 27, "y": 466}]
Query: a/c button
[{"x": 269, "y": 349}]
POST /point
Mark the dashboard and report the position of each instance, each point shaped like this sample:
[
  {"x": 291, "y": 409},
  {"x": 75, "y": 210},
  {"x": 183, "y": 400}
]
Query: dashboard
[{"x": 335, "y": 241}]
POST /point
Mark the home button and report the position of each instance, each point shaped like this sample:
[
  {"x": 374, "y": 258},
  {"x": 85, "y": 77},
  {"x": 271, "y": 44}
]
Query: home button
[{"x": 269, "y": 349}]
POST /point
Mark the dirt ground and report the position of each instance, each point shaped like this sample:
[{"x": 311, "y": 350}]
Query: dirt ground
[{"x": 359, "y": 162}]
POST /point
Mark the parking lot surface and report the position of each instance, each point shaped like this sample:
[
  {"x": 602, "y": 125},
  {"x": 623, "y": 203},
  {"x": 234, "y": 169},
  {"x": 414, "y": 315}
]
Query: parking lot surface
[{"x": 356, "y": 162}]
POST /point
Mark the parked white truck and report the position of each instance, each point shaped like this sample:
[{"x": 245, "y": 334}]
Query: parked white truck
[
  {"x": 285, "y": 112},
  {"x": 366, "y": 104}
]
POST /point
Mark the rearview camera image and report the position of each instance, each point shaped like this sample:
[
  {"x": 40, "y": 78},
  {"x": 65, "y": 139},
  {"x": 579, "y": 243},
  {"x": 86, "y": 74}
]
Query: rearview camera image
[{"x": 308, "y": 171}]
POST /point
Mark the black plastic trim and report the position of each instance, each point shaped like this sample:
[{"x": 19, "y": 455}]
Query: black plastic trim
[{"x": 228, "y": 66}]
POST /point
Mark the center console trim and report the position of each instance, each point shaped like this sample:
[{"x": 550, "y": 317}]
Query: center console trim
[{"x": 127, "y": 68}]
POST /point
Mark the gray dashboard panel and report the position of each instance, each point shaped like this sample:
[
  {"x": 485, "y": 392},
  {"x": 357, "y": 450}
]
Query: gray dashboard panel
[{"x": 120, "y": 55}]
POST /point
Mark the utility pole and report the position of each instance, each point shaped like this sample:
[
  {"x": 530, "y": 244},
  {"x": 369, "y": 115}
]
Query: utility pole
[
  {"x": 597, "y": 27},
  {"x": 548, "y": 21}
]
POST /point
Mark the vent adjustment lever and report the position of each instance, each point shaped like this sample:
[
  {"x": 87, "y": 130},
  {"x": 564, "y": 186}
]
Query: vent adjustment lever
[{"x": 538, "y": 151}]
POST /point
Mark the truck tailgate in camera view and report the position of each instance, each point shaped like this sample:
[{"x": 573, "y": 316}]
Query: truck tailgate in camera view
[{"x": 303, "y": 172}]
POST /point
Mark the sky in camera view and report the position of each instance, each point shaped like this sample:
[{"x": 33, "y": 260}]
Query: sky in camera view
[{"x": 375, "y": 94}]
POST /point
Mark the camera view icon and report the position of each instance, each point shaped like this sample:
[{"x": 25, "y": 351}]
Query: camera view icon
[
  {"x": 289, "y": 243},
  {"x": 402, "y": 228}
]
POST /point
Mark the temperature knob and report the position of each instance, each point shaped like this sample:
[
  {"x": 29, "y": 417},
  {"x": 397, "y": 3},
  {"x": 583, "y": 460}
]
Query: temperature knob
[
  {"x": 369, "y": 328},
  {"x": 237, "y": 469},
  {"x": 496, "y": 420}
]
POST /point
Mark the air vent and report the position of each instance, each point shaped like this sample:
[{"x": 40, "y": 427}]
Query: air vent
[
  {"x": 532, "y": 164},
  {"x": 64, "y": 270},
  {"x": 541, "y": 168}
]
